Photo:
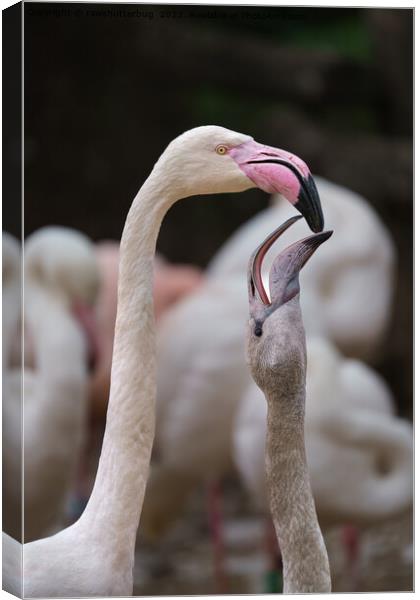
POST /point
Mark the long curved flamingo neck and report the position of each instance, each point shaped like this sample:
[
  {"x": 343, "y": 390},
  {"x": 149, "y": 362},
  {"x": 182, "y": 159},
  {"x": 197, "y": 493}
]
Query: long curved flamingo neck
[{"x": 114, "y": 508}]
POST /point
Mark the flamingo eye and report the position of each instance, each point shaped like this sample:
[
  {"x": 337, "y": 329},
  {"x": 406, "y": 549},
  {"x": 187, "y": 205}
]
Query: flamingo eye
[{"x": 221, "y": 149}]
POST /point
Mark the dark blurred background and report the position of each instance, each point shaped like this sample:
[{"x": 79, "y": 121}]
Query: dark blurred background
[{"x": 108, "y": 86}]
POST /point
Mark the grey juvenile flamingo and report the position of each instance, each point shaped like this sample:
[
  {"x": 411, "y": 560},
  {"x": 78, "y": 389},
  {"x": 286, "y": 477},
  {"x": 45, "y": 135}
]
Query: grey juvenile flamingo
[{"x": 277, "y": 358}]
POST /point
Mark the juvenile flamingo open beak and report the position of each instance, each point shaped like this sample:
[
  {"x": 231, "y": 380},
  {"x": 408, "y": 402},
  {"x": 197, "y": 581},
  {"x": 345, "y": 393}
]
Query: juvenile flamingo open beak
[
  {"x": 277, "y": 171},
  {"x": 284, "y": 272},
  {"x": 257, "y": 258}
]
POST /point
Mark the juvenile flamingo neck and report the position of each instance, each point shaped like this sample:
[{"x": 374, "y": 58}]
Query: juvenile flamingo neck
[
  {"x": 305, "y": 560},
  {"x": 113, "y": 511}
]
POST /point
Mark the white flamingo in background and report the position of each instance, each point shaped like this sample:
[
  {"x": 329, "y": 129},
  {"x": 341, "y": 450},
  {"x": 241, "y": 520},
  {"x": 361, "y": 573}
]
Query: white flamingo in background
[
  {"x": 200, "y": 386},
  {"x": 60, "y": 274},
  {"x": 276, "y": 352},
  {"x": 95, "y": 555},
  {"x": 11, "y": 459}
]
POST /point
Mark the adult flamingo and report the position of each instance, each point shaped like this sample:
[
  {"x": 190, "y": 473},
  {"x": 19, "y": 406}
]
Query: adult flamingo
[
  {"x": 95, "y": 555},
  {"x": 277, "y": 358}
]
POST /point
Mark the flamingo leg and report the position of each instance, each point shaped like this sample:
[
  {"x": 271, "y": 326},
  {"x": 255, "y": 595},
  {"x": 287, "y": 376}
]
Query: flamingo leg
[
  {"x": 274, "y": 575},
  {"x": 351, "y": 542},
  {"x": 215, "y": 520}
]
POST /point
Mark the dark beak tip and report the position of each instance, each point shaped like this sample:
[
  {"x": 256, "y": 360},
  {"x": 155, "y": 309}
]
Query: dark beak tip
[
  {"x": 318, "y": 227},
  {"x": 322, "y": 237},
  {"x": 315, "y": 220},
  {"x": 309, "y": 205},
  {"x": 316, "y": 240}
]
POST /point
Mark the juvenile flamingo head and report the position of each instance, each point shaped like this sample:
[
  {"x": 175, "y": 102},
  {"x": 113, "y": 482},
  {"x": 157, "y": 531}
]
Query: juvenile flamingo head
[
  {"x": 212, "y": 159},
  {"x": 275, "y": 332}
]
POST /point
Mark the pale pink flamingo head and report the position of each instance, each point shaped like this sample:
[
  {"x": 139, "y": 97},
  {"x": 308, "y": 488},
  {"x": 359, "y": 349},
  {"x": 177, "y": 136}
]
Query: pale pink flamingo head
[{"x": 212, "y": 159}]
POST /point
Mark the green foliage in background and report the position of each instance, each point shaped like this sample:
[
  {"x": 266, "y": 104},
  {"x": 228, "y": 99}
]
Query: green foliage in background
[{"x": 340, "y": 29}]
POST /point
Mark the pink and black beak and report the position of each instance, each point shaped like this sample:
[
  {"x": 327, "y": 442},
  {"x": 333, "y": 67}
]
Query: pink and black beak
[
  {"x": 277, "y": 171},
  {"x": 284, "y": 272}
]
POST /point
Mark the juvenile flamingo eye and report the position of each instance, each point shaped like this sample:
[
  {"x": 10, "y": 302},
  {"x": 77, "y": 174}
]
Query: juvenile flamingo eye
[
  {"x": 258, "y": 331},
  {"x": 221, "y": 149}
]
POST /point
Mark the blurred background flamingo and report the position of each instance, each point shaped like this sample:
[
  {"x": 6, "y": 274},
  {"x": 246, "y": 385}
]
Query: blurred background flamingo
[{"x": 61, "y": 281}]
